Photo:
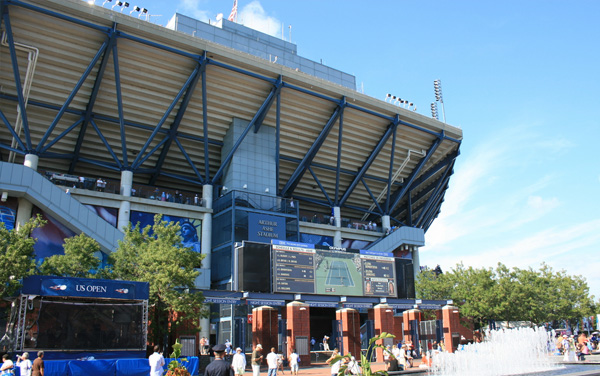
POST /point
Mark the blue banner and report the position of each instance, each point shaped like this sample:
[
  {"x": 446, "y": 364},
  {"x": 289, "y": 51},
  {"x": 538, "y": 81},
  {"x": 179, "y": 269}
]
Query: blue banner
[
  {"x": 209, "y": 299},
  {"x": 292, "y": 244},
  {"x": 85, "y": 287},
  {"x": 375, "y": 253}
]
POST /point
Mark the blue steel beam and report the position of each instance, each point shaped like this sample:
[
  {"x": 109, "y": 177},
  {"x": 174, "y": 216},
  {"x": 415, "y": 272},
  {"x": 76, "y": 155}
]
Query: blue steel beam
[
  {"x": 137, "y": 162},
  {"x": 320, "y": 186},
  {"x": 177, "y": 121},
  {"x": 12, "y": 131},
  {"x": 292, "y": 183},
  {"x": 205, "y": 122},
  {"x": 400, "y": 194},
  {"x": 239, "y": 141},
  {"x": 370, "y": 159},
  {"x": 189, "y": 160},
  {"x": 60, "y": 136},
  {"x": 120, "y": 106},
  {"x": 106, "y": 144},
  {"x": 339, "y": 159},
  {"x": 436, "y": 192},
  {"x": 112, "y": 38},
  {"x": 371, "y": 194},
  {"x": 17, "y": 78},
  {"x": 71, "y": 96},
  {"x": 265, "y": 111},
  {"x": 277, "y": 137},
  {"x": 390, "y": 172}
]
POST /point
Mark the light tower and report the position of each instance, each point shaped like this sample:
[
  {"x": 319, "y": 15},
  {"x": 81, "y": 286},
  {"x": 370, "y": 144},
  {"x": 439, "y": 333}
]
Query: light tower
[{"x": 437, "y": 85}]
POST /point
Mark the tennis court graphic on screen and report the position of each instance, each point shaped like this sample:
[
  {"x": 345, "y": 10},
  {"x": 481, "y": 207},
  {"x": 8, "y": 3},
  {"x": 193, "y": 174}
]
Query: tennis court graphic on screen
[{"x": 299, "y": 268}]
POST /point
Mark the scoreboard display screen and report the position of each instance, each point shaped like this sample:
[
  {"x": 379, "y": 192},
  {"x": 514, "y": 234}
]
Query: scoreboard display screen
[{"x": 300, "y": 268}]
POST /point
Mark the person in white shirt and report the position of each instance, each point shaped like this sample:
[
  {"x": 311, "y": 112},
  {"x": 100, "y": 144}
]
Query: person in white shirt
[
  {"x": 157, "y": 361},
  {"x": 294, "y": 358},
  {"x": 272, "y": 362},
  {"x": 238, "y": 363},
  {"x": 24, "y": 364}
]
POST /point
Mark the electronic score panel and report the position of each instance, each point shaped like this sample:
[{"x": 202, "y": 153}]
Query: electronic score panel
[
  {"x": 294, "y": 269},
  {"x": 300, "y": 268}
]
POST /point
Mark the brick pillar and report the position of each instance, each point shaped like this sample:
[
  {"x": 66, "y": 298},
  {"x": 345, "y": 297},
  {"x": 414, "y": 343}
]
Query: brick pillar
[
  {"x": 350, "y": 330},
  {"x": 264, "y": 328},
  {"x": 298, "y": 325},
  {"x": 383, "y": 316},
  {"x": 451, "y": 323},
  {"x": 408, "y": 316},
  {"x": 398, "y": 331}
]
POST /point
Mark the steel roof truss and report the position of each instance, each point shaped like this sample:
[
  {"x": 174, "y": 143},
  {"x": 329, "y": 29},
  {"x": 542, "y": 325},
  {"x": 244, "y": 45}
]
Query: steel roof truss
[
  {"x": 191, "y": 163},
  {"x": 239, "y": 141},
  {"x": 372, "y": 196},
  {"x": 391, "y": 171},
  {"x": 320, "y": 186},
  {"x": 71, "y": 96},
  {"x": 265, "y": 111},
  {"x": 177, "y": 121},
  {"x": 12, "y": 131},
  {"x": 105, "y": 142},
  {"x": 17, "y": 77},
  {"x": 415, "y": 172},
  {"x": 339, "y": 159},
  {"x": 90, "y": 106},
  {"x": 139, "y": 159},
  {"x": 205, "y": 121},
  {"x": 434, "y": 195},
  {"x": 312, "y": 152},
  {"x": 363, "y": 170},
  {"x": 60, "y": 136}
]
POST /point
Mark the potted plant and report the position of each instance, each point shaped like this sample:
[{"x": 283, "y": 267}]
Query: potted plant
[
  {"x": 176, "y": 367},
  {"x": 365, "y": 363}
]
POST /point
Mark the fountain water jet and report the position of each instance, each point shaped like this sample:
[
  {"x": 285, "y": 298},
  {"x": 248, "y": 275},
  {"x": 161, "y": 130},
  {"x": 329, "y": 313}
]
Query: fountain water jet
[{"x": 503, "y": 352}]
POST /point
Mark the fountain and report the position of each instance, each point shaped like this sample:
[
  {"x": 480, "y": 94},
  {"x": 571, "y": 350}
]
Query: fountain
[{"x": 503, "y": 352}]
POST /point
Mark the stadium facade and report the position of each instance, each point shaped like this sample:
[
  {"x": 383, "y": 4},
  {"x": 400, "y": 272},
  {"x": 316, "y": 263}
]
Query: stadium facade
[{"x": 261, "y": 155}]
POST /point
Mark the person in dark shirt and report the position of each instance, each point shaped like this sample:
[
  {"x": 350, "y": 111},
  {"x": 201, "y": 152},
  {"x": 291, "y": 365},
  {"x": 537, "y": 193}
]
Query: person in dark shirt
[
  {"x": 219, "y": 367},
  {"x": 38, "y": 365}
]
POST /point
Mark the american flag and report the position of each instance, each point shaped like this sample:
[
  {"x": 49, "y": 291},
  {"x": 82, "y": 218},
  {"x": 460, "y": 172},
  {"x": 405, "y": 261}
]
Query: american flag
[{"x": 233, "y": 14}]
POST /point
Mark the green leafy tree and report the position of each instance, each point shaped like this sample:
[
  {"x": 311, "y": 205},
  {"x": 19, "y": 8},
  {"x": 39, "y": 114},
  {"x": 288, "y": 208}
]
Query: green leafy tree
[
  {"x": 78, "y": 261},
  {"x": 17, "y": 255},
  {"x": 155, "y": 254},
  {"x": 505, "y": 294}
]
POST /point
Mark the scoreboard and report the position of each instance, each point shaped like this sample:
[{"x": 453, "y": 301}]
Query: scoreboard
[{"x": 301, "y": 268}]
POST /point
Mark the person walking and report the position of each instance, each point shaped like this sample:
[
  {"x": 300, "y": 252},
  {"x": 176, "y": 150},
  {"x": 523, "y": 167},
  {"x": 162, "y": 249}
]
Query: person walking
[
  {"x": 272, "y": 362},
  {"x": 238, "y": 363},
  {"x": 219, "y": 367},
  {"x": 38, "y": 365},
  {"x": 256, "y": 360},
  {"x": 294, "y": 360},
  {"x": 157, "y": 362}
]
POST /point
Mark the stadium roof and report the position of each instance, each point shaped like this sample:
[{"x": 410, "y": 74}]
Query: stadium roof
[{"x": 110, "y": 92}]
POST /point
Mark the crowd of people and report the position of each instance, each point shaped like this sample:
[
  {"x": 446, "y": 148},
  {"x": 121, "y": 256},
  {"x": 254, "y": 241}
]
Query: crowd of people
[
  {"x": 576, "y": 347},
  {"x": 24, "y": 364}
]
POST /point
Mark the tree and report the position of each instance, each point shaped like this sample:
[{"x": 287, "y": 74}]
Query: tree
[
  {"x": 78, "y": 261},
  {"x": 505, "y": 294},
  {"x": 17, "y": 255},
  {"x": 155, "y": 254}
]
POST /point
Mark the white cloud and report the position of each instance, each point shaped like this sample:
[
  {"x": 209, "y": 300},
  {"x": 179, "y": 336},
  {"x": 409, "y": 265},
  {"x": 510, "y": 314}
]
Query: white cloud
[
  {"x": 254, "y": 16},
  {"x": 193, "y": 9}
]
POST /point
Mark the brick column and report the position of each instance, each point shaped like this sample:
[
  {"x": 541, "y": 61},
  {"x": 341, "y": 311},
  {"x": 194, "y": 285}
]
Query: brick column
[
  {"x": 264, "y": 328},
  {"x": 298, "y": 325},
  {"x": 383, "y": 316},
  {"x": 350, "y": 319},
  {"x": 451, "y": 323},
  {"x": 408, "y": 316},
  {"x": 398, "y": 330}
]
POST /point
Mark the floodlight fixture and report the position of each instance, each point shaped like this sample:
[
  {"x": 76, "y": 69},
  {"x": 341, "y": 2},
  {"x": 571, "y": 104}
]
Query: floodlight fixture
[
  {"x": 106, "y": 1},
  {"x": 143, "y": 11},
  {"x": 434, "y": 111},
  {"x": 117, "y": 4},
  {"x": 437, "y": 86},
  {"x": 125, "y": 5},
  {"x": 135, "y": 9}
]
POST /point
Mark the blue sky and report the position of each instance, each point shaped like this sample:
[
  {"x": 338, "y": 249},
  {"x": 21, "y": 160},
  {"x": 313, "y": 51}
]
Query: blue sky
[{"x": 520, "y": 78}]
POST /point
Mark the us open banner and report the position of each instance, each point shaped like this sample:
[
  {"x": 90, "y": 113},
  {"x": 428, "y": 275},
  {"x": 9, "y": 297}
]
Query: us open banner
[{"x": 84, "y": 287}]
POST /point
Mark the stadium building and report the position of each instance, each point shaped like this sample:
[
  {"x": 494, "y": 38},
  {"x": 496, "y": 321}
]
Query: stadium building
[{"x": 309, "y": 199}]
